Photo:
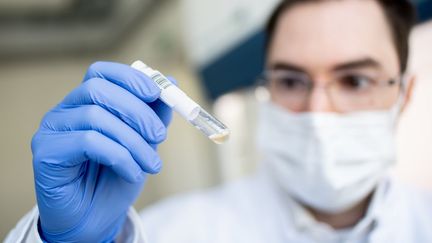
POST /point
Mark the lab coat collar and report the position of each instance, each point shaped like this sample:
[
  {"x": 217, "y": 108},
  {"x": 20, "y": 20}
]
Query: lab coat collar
[{"x": 302, "y": 220}]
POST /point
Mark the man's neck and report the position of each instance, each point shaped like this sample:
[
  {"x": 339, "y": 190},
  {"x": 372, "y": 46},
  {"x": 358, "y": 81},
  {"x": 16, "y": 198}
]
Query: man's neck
[{"x": 345, "y": 219}]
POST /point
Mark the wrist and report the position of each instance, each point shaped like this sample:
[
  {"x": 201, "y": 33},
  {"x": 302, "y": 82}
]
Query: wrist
[
  {"x": 40, "y": 231},
  {"x": 83, "y": 233}
]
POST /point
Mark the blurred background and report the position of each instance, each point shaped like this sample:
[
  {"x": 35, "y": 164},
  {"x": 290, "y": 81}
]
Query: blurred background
[{"x": 214, "y": 48}]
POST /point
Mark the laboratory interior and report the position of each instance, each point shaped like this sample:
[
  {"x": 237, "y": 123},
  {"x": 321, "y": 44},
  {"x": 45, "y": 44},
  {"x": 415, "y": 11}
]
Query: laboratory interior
[{"x": 214, "y": 49}]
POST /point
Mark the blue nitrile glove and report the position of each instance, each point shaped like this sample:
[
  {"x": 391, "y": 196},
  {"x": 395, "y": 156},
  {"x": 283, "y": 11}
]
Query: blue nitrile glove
[{"x": 92, "y": 151}]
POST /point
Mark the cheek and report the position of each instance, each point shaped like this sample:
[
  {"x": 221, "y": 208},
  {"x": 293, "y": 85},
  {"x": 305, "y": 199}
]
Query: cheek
[
  {"x": 278, "y": 99},
  {"x": 392, "y": 97},
  {"x": 387, "y": 99},
  {"x": 286, "y": 103}
]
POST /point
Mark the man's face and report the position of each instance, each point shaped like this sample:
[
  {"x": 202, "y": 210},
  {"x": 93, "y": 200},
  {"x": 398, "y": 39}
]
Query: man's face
[{"x": 341, "y": 51}]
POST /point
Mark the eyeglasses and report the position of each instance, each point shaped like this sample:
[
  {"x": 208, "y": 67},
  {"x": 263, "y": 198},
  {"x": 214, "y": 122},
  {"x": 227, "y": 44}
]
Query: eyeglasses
[{"x": 347, "y": 92}]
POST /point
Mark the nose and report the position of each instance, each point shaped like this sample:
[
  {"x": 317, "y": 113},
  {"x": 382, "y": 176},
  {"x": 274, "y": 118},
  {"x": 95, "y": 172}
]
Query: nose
[{"x": 319, "y": 100}]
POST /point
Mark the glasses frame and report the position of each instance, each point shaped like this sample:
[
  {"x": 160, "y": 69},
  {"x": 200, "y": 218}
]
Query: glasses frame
[{"x": 264, "y": 80}]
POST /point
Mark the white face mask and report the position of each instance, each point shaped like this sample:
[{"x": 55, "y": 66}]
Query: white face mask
[{"x": 327, "y": 161}]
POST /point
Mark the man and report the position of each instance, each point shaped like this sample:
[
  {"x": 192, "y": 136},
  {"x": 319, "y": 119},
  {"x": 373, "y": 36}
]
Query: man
[{"x": 335, "y": 73}]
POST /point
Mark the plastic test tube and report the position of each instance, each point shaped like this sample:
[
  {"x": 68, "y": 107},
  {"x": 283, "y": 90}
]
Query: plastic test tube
[{"x": 175, "y": 98}]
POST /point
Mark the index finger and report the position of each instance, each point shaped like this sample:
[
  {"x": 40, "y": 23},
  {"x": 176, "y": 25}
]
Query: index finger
[{"x": 126, "y": 77}]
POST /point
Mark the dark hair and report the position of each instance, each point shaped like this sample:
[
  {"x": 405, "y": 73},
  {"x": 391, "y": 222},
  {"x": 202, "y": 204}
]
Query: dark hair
[{"x": 400, "y": 16}]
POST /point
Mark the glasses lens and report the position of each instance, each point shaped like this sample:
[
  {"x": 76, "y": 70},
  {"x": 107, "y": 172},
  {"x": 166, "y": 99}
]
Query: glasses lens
[
  {"x": 360, "y": 92},
  {"x": 289, "y": 88}
]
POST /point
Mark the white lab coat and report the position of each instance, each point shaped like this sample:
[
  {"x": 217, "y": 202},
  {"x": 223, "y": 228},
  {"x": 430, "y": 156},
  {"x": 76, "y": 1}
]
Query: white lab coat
[{"x": 256, "y": 210}]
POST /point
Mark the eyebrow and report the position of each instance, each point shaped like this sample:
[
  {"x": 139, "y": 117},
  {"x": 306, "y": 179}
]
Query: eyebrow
[
  {"x": 355, "y": 64},
  {"x": 361, "y": 63},
  {"x": 287, "y": 66}
]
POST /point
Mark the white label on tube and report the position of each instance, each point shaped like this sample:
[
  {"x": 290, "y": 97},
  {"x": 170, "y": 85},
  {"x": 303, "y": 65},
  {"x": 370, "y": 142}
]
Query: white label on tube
[
  {"x": 171, "y": 95},
  {"x": 161, "y": 81}
]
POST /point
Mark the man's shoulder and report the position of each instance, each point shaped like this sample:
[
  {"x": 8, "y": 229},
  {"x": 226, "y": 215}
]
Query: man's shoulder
[
  {"x": 192, "y": 204},
  {"x": 212, "y": 198},
  {"x": 412, "y": 210},
  {"x": 416, "y": 200},
  {"x": 199, "y": 212},
  {"x": 414, "y": 194}
]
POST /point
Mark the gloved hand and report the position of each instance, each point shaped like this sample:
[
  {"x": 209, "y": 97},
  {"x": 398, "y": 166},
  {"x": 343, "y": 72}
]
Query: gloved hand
[{"x": 92, "y": 152}]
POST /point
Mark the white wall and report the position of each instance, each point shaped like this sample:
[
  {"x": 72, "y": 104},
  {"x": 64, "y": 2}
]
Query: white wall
[
  {"x": 215, "y": 27},
  {"x": 415, "y": 131}
]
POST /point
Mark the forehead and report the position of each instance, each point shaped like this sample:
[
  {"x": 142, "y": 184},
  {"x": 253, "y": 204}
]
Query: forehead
[{"x": 319, "y": 34}]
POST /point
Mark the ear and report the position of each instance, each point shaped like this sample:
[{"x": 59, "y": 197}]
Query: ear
[{"x": 408, "y": 91}]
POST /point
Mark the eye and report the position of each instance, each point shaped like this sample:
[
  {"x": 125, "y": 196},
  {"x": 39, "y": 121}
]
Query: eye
[
  {"x": 355, "y": 82},
  {"x": 290, "y": 82}
]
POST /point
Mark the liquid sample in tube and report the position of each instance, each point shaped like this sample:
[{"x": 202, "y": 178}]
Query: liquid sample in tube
[{"x": 211, "y": 127}]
